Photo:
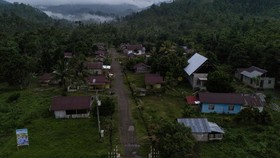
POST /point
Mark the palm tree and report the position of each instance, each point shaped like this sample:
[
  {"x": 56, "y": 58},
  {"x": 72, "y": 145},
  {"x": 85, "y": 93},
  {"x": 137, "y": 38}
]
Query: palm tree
[
  {"x": 168, "y": 47},
  {"x": 60, "y": 73}
]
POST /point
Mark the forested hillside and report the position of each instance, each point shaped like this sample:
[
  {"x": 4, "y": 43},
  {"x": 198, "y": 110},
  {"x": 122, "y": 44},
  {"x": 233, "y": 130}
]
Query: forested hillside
[
  {"x": 244, "y": 30},
  {"x": 237, "y": 33},
  {"x": 19, "y": 17}
]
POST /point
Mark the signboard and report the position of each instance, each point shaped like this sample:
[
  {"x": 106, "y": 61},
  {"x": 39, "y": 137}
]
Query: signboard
[{"x": 22, "y": 137}]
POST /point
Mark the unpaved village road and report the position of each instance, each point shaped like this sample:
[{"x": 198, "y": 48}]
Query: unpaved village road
[{"x": 127, "y": 131}]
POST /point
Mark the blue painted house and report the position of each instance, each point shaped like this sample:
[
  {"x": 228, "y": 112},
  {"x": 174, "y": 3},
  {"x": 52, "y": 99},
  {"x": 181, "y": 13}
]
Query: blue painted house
[{"x": 227, "y": 103}]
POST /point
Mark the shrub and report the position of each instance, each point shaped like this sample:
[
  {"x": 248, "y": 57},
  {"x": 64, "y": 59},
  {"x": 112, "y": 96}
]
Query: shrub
[{"x": 13, "y": 98}]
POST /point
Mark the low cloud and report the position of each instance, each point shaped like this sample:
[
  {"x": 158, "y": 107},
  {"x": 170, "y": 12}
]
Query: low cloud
[
  {"x": 80, "y": 17},
  {"x": 139, "y": 3}
]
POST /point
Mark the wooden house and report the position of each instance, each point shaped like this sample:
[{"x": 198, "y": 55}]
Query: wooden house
[
  {"x": 141, "y": 68},
  {"x": 71, "y": 107},
  {"x": 47, "y": 79},
  {"x": 136, "y": 49},
  {"x": 153, "y": 81},
  {"x": 95, "y": 68},
  {"x": 255, "y": 77},
  {"x": 197, "y": 70},
  {"x": 97, "y": 83},
  {"x": 202, "y": 129},
  {"x": 68, "y": 55}
]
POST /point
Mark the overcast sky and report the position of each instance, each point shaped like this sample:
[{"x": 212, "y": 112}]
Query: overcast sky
[{"x": 140, "y": 3}]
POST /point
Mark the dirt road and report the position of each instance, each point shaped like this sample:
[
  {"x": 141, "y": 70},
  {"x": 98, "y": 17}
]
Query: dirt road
[{"x": 127, "y": 131}]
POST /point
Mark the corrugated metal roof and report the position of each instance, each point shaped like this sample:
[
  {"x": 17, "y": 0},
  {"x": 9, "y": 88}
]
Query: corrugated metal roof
[
  {"x": 215, "y": 128},
  {"x": 197, "y": 125},
  {"x": 153, "y": 79},
  {"x": 251, "y": 74},
  {"x": 221, "y": 98},
  {"x": 194, "y": 63},
  {"x": 71, "y": 103}
]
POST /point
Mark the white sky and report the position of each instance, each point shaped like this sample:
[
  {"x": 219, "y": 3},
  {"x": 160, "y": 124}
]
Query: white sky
[{"x": 140, "y": 3}]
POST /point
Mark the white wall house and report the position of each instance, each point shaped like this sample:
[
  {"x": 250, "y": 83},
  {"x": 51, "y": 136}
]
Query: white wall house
[
  {"x": 255, "y": 77},
  {"x": 71, "y": 107},
  {"x": 197, "y": 70},
  {"x": 202, "y": 130}
]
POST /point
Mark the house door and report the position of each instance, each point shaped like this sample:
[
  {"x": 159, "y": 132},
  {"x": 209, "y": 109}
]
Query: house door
[{"x": 261, "y": 84}]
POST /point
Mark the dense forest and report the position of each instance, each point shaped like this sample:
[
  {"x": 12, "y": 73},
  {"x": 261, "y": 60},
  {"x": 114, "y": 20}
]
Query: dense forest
[{"x": 237, "y": 33}]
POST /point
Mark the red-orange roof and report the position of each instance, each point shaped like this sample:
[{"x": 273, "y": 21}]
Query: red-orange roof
[
  {"x": 71, "y": 103},
  {"x": 191, "y": 99}
]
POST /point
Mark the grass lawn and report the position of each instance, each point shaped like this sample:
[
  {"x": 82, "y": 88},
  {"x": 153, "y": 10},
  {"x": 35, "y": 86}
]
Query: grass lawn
[{"x": 49, "y": 137}]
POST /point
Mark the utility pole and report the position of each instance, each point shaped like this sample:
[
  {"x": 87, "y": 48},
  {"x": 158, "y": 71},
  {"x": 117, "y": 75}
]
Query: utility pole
[{"x": 98, "y": 119}]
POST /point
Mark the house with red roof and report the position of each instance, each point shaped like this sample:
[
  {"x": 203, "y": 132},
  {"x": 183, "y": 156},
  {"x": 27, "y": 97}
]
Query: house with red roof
[
  {"x": 228, "y": 103},
  {"x": 47, "y": 79},
  {"x": 94, "y": 68},
  {"x": 153, "y": 81},
  {"x": 68, "y": 55},
  {"x": 136, "y": 49},
  {"x": 97, "y": 83},
  {"x": 71, "y": 106},
  {"x": 255, "y": 77},
  {"x": 141, "y": 68}
]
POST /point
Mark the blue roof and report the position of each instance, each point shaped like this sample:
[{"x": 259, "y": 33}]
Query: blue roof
[{"x": 197, "y": 125}]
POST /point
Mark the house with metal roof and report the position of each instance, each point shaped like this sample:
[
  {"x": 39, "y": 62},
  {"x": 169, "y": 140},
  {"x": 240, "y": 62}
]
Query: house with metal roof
[
  {"x": 97, "y": 83},
  {"x": 228, "y": 103},
  {"x": 255, "y": 77},
  {"x": 197, "y": 70},
  {"x": 94, "y": 68},
  {"x": 202, "y": 129},
  {"x": 153, "y": 81},
  {"x": 71, "y": 107}
]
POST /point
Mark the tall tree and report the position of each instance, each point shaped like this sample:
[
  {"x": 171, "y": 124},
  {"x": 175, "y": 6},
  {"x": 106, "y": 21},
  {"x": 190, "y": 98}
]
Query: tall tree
[
  {"x": 219, "y": 81},
  {"x": 174, "y": 140}
]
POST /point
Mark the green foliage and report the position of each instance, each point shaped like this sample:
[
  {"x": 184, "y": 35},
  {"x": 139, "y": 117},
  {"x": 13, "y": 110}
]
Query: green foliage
[
  {"x": 189, "y": 112},
  {"x": 219, "y": 81},
  {"x": 13, "y": 98},
  {"x": 107, "y": 107},
  {"x": 174, "y": 140},
  {"x": 253, "y": 116}
]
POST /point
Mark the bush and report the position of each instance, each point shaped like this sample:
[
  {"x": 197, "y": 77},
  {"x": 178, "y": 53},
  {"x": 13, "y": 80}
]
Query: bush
[{"x": 13, "y": 98}]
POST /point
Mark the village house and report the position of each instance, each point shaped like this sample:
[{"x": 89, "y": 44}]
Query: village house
[
  {"x": 71, "y": 107},
  {"x": 228, "y": 103},
  {"x": 141, "y": 68},
  {"x": 47, "y": 79},
  {"x": 68, "y": 55},
  {"x": 202, "y": 129},
  {"x": 95, "y": 68},
  {"x": 255, "y": 77},
  {"x": 153, "y": 81},
  {"x": 97, "y": 83},
  {"x": 137, "y": 49},
  {"x": 197, "y": 70}
]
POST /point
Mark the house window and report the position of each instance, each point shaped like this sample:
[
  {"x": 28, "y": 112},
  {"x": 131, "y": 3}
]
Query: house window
[
  {"x": 211, "y": 135},
  {"x": 251, "y": 81},
  {"x": 211, "y": 107},
  {"x": 269, "y": 81},
  {"x": 230, "y": 107},
  {"x": 81, "y": 111},
  {"x": 70, "y": 112},
  {"x": 218, "y": 135}
]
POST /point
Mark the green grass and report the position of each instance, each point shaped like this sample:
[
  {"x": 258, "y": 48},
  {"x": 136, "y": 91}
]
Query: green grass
[{"x": 49, "y": 137}]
